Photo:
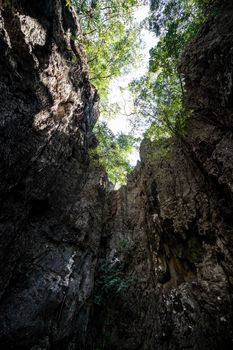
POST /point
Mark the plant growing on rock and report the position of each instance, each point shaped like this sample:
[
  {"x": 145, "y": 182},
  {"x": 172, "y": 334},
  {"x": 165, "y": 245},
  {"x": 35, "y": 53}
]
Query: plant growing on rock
[
  {"x": 110, "y": 37},
  {"x": 159, "y": 95},
  {"x": 112, "y": 152},
  {"x": 111, "y": 281}
]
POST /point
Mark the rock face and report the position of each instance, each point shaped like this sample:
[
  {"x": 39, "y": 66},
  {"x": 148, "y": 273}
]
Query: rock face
[
  {"x": 162, "y": 244},
  {"x": 51, "y": 197},
  {"x": 168, "y": 233}
]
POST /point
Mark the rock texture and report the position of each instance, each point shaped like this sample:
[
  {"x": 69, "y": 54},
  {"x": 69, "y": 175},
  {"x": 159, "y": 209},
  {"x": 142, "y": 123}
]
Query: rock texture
[
  {"x": 168, "y": 234},
  {"x": 160, "y": 249},
  {"x": 51, "y": 197}
]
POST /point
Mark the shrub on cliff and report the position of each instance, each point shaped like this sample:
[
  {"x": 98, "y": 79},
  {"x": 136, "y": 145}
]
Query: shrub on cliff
[
  {"x": 159, "y": 95},
  {"x": 110, "y": 37},
  {"x": 112, "y": 152}
]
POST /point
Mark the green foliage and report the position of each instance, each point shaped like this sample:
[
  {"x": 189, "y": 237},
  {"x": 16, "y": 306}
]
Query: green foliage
[
  {"x": 185, "y": 16},
  {"x": 126, "y": 246},
  {"x": 112, "y": 152},
  {"x": 68, "y": 3},
  {"x": 156, "y": 149},
  {"x": 160, "y": 94},
  {"x": 110, "y": 38},
  {"x": 111, "y": 41},
  {"x": 110, "y": 282}
]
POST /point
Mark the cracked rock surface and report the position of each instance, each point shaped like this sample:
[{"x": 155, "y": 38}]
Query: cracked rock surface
[
  {"x": 170, "y": 229},
  {"x": 51, "y": 196},
  {"x": 81, "y": 267}
]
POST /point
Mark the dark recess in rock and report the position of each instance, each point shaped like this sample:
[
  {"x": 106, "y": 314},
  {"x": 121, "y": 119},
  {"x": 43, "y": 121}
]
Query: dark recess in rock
[{"x": 168, "y": 232}]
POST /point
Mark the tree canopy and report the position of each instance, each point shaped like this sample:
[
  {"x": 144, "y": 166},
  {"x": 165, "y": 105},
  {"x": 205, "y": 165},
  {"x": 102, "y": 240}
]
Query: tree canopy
[
  {"x": 159, "y": 95},
  {"x": 112, "y": 42},
  {"x": 112, "y": 152},
  {"x": 110, "y": 37}
]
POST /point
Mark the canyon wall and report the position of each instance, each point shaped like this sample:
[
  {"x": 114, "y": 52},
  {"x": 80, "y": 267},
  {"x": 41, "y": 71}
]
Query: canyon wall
[
  {"x": 82, "y": 267},
  {"x": 51, "y": 196},
  {"x": 168, "y": 233}
]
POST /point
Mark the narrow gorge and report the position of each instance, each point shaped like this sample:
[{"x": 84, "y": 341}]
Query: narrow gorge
[{"x": 84, "y": 267}]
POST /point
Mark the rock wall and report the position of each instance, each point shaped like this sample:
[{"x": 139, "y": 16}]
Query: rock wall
[
  {"x": 51, "y": 196},
  {"x": 168, "y": 233},
  {"x": 160, "y": 249}
]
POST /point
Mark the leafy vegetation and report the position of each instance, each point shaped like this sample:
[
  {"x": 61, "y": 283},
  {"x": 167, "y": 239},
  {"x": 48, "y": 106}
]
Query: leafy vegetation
[
  {"x": 112, "y": 152},
  {"x": 110, "y": 38},
  {"x": 112, "y": 44},
  {"x": 126, "y": 246},
  {"x": 159, "y": 96},
  {"x": 110, "y": 281},
  {"x": 111, "y": 41}
]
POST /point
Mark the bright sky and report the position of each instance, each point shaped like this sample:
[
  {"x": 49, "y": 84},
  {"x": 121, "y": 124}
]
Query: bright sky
[{"x": 119, "y": 92}]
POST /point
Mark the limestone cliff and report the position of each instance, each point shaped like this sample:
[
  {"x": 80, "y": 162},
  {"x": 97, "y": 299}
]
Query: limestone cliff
[
  {"x": 160, "y": 249},
  {"x": 51, "y": 197},
  {"x": 168, "y": 233}
]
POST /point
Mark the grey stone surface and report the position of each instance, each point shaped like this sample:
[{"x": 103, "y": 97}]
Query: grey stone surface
[{"x": 162, "y": 244}]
